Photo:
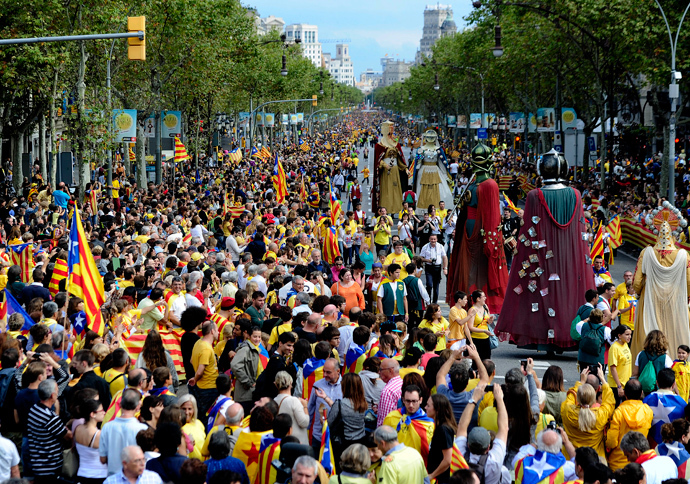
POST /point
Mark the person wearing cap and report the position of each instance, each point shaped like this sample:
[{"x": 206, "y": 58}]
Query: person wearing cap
[
  {"x": 224, "y": 315},
  {"x": 477, "y": 447},
  {"x": 400, "y": 464}
]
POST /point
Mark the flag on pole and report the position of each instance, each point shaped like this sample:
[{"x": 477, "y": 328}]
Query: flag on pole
[
  {"x": 59, "y": 273},
  {"x": 85, "y": 281},
  {"x": 330, "y": 246},
  {"x": 598, "y": 243},
  {"x": 8, "y": 306},
  {"x": 334, "y": 203},
  {"x": 614, "y": 229},
  {"x": 279, "y": 181},
  {"x": 256, "y": 153},
  {"x": 22, "y": 255},
  {"x": 132, "y": 155},
  {"x": 326, "y": 454},
  {"x": 303, "y": 145},
  {"x": 302, "y": 191},
  {"x": 265, "y": 153},
  {"x": 180, "y": 151},
  {"x": 311, "y": 372},
  {"x": 510, "y": 204},
  {"x": 236, "y": 155}
]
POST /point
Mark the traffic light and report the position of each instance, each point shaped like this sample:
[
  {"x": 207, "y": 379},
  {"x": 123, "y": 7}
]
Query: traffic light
[
  {"x": 517, "y": 139},
  {"x": 677, "y": 140},
  {"x": 136, "y": 49},
  {"x": 314, "y": 100}
]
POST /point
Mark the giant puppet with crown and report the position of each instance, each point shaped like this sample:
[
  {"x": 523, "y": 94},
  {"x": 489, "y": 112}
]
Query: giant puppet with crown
[
  {"x": 390, "y": 172},
  {"x": 478, "y": 260},
  {"x": 662, "y": 279}
]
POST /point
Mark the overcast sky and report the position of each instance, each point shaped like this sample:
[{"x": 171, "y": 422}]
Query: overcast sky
[{"x": 375, "y": 28}]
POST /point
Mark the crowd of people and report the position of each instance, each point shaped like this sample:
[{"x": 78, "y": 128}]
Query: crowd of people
[{"x": 251, "y": 340}]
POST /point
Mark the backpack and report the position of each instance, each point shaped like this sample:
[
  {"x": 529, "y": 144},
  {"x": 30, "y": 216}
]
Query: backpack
[
  {"x": 592, "y": 341},
  {"x": 573, "y": 326},
  {"x": 648, "y": 374},
  {"x": 6, "y": 377},
  {"x": 479, "y": 467},
  {"x": 409, "y": 197}
]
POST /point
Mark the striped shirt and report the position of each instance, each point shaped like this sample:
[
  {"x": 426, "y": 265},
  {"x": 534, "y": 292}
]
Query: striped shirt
[
  {"x": 45, "y": 431},
  {"x": 389, "y": 398}
]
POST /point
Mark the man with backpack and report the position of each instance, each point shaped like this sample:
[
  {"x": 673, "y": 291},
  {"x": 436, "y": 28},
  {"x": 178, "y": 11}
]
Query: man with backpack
[
  {"x": 592, "y": 298},
  {"x": 593, "y": 339},
  {"x": 483, "y": 458}
]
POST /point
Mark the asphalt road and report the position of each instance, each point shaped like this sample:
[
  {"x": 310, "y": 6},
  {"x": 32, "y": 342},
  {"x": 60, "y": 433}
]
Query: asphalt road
[{"x": 508, "y": 356}]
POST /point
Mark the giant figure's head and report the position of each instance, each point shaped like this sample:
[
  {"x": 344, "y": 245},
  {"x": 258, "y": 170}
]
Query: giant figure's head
[
  {"x": 553, "y": 167},
  {"x": 482, "y": 161}
]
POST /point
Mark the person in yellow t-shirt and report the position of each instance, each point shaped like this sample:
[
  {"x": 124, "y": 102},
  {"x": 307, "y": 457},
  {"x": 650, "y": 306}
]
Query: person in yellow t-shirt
[
  {"x": 457, "y": 321},
  {"x": 621, "y": 289},
  {"x": 205, "y": 366},
  {"x": 115, "y": 377},
  {"x": 627, "y": 305},
  {"x": 365, "y": 175},
  {"x": 682, "y": 371},
  {"x": 434, "y": 320},
  {"x": 398, "y": 256},
  {"x": 620, "y": 361}
]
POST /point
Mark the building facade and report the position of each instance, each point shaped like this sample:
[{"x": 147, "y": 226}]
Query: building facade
[
  {"x": 438, "y": 22},
  {"x": 269, "y": 24},
  {"x": 394, "y": 71},
  {"x": 309, "y": 40},
  {"x": 340, "y": 67}
]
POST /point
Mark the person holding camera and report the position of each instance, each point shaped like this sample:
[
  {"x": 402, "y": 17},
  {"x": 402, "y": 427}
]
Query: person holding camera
[{"x": 459, "y": 378}]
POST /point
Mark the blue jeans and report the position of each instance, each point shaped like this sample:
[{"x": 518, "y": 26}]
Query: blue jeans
[
  {"x": 26, "y": 459},
  {"x": 347, "y": 255}
]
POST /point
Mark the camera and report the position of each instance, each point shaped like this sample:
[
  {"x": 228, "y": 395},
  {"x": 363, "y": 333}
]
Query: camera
[
  {"x": 553, "y": 426},
  {"x": 489, "y": 388},
  {"x": 594, "y": 369},
  {"x": 36, "y": 356},
  {"x": 523, "y": 363},
  {"x": 466, "y": 353}
]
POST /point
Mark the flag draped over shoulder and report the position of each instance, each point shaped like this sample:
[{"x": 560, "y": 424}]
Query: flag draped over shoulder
[
  {"x": 22, "y": 255},
  {"x": 279, "y": 181},
  {"x": 268, "y": 452},
  {"x": 9, "y": 306},
  {"x": 59, "y": 273},
  {"x": 312, "y": 372},
  {"x": 541, "y": 467},
  {"x": 666, "y": 409},
  {"x": 326, "y": 453},
  {"x": 171, "y": 342},
  {"x": 334, "y": 204},
  {"x": 85, "y": 281},
  {"x": 248, "y": 448},
  {"x": 598, "y": 243},
  {"x": 354, "y": 359},
  {"x": 677, "y": 452},
  {"x": 330, "y": 246},
  {"x": 416, "y": 431}
]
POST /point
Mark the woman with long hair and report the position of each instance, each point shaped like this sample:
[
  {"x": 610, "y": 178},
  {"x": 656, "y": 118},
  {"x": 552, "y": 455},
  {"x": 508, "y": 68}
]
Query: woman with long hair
[
  {"x": 620, "y": 360},
  {"x": 441, "y": 450},
  {"x": 552, "y": 384},
  {"x": 654, "y": 352},
  {"x": 434, "y": 320},
  {"x": 300, "y": 354},
  {"x": 521, "y": 418},
  {"x": 479, "y": 324},
  {"x": 86, "y": 440},
  {"x": 350, "y": 411},
  {"x": 583, "y": 422},
  {"x": 154, "y": 355}
]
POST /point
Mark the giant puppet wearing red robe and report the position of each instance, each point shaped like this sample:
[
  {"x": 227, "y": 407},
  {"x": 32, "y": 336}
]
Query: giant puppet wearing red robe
[
  {"x": 390, "y": 172},
  {"x": 478, "y": 261}
]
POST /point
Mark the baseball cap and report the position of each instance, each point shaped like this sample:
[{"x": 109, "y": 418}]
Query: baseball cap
[
  {"x": 478, "y": 440},
  {"x": 196, "y": 256},
  {"x": 377, "y": 264},
  {"x": 227, "y": 303}
]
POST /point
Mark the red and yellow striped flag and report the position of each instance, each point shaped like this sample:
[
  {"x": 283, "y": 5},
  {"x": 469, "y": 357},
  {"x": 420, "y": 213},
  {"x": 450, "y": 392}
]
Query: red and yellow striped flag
[
  {"x": 180, "y": 151},
  {"x": 330, "y": 246},
  {"x": 132, "y": 156},
  {"x": 510, "y": 204},
  {"x": 171, "y": 342},
  {"x": 59, "y": 273},
  {"x": 266, "y": 473},
  {"x": 457, "y": 460},
  {"x": 614, "y": 229},
  {"x": 247, "y": 450},
  {"x": 22, "y": 255},
  {"x": 598, "y": 243},
  {"x": 312, "y": 372},
  {"x": 85, "y": 281},
  {"x": 279, "y": 180}
]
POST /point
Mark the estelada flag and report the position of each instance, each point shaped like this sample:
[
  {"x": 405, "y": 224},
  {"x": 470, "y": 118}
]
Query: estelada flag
[
  {"x": 303, "y": 145},
  {"x": 510, "y": 204},
  {"x": 677, "y": 452},
  {"x": 269, "y": 451},
  {"x": 180, "y": 151},
  {"x": 279, "y": 181},
  {"x": 542, "y": 467},
  {"x": 334, "y": 205},
  {"x": 614, "y": 229},
  {"x": 354, "y": 359},
  {"x": 59, "y": 273},
  {"x": 10, "y": 306},
  {"x": 22, "y": 255},
  {"x": 85, "y": 281},
  {"x": 312, "y": 371},
  {"x": 598, "y": 243},
  {"x": 326, "y": 453},
  {"x": 248, "y": 448},
  {"x": 414, "y": 431},
  {"x": 330, "y": 246}
]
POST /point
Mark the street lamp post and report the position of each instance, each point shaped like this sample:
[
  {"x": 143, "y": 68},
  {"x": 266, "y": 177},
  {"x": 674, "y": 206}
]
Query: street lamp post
[{"x": 673, "y": 94}]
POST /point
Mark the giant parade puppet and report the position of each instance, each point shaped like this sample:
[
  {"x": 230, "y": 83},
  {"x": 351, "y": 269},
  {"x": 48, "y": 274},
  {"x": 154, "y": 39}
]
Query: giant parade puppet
[
  {"x": 552, "y": 269},
  {"x": 662, "y": 280},
  {"x": 430, "y": 174},
  {"x": 390, "y": 172},
  {"x": 478, "y": 260}
]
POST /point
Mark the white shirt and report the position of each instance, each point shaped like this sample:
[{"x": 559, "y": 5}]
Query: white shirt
[
  {"x": 659, "y": 469},
  {"x": 435, "y": 254},
  {"x": 9, "y": 457},
  {"x": 668, "y": 363},
  {"x": 261, "y": 283},
  {"x": 178, "y": 306}
]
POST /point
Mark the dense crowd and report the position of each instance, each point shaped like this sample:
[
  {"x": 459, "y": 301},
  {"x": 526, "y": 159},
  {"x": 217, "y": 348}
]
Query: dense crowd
[{"x": 251, "y": 340}]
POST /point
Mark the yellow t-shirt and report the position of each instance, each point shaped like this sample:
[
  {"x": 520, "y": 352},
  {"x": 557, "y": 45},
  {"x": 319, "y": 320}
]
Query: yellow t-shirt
[
  {"x": 196, "y": 431},
  {"x": 481, "y": 323},
  {"x": 381, "y": 237},
  {"x": 628, "y": 318},
  {"x": 115, "y": 381},
  {"x": 435, "y": 328},
  {"x": 456, "y": 330},
  {"x": 277, "y": 331},
  {"x": 621, "y": 291},
  {"x": 365, "y": 172},
  {"x": 116, "y": 188},
  {"x": 202, "y": 354},
  {"x": 442, "y": 215},
  {"x": 621, "y": 357},
  {"x": 402, "y": 260},
  {"x": 405, "y": 371}
]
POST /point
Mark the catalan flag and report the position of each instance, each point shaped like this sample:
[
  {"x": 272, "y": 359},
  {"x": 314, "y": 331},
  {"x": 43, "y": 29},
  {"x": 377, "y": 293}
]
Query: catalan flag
[
  {"x": 180, "y": 151},
  {"x": 279, "y": 181},
  {"x": 614, "y": 229},
  {"x": 598, "y": 243},
  {"x": 171, "y": 342},
  {"x": 302, "y": 191},
  {"x": 265, "y": 152},
  {"x": 256, "y": 153},
  {"x": 330, "y": 246},
  {"x": 236, "y": 155},
  {"x": 354, "y": 359},
  {"x": 312, "y": 372},
  {"x": 247, "y": 449},
  {"x": 59, "y": 273},
  {"x": 93, "y": 199},
  {"x": 263, "y": 358},
  {"x": 334, "y": 203},
  {"x": 328, "y": 145},
  {"x": 510, "y": 204},
  {"x": 9, "y": 305},
  {"x": 268, "y": 452},
  {"x": 132, "y": 156},
  {"x": 22, "y": 255},
  {"x": 542, "y": 467},
  {"x": 457, "y": 460},
  {"x": 85, "y": 281},
  {"x": 326, "y": 453},
  {"x": 414, "y": 430},
  {"x": 303, "y": 145},
  {"x": 187, "y": 239}
]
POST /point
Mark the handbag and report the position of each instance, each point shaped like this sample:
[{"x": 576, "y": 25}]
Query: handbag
[
  {"x": 338, "y": 428},
  {"x": 70, "y": 462},
  {"x": 493, "y": 341}
]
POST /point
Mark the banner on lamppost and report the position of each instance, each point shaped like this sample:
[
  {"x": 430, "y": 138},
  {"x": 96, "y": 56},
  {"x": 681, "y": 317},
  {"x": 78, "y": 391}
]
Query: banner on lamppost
[
  {"x": 125, "y": 124},
  {"x": 244, "y": 119},
  {"x": 171, "y": 124},
  {"x": 293, "y": 118},
  {"x": 462, "y": 121},
  {"x": 150, "y": 127},
  {"x": 532, "y": 123},
  {"x": 451, "y": 121},
  {"x": 300, "y": 117},
  {"x": 284, "y": 118},
  {"x": 502, "y": 123},
  {"x": 568, "y": 118},
  {"x": 546, "y": 120},
  {"x": 259, "y": 119},
  {"x": 475, "y": 120},
  {"x": 516, "y": 123},
  {"x": 490, "y": 120},
  {"x": 270, "y": 120}
]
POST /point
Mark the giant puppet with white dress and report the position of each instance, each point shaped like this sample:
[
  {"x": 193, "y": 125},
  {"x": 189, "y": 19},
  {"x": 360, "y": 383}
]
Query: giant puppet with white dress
[{"x": 430, "y": 174}]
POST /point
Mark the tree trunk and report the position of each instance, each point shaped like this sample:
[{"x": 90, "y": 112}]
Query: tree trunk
[
  {"x": 52, "y": 138},
  {"x": 141, "y": 157},
  {"x": 42, "y": 146},
  {"x": 663, "y": 185},
  {"x": 125, "y": 158},
  {"x": 17, "y": 140},
  {"x": 82, "y": 161}
]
